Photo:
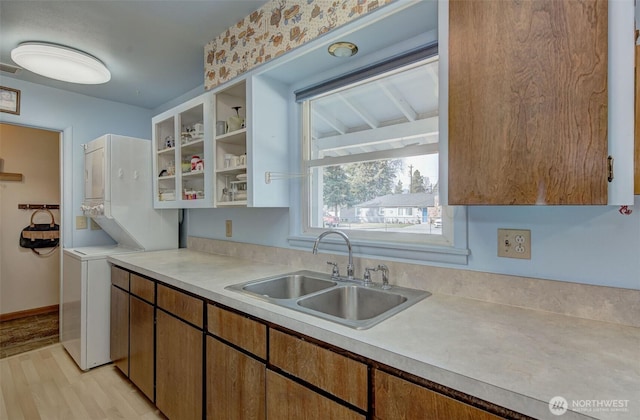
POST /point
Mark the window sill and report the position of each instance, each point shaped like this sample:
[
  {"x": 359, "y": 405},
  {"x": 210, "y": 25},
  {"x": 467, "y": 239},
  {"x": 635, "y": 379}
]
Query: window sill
[{"x": 410, "y": 253}]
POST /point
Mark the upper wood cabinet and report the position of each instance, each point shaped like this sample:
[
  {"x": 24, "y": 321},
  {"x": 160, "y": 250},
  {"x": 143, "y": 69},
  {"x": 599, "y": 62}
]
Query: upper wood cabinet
[
  {"x": 528, "y": 102},
  {"x": 637, "y": 125}
]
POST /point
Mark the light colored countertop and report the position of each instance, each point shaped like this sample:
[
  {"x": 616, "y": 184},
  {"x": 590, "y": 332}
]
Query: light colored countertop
[{"x": 513, "y": 357}]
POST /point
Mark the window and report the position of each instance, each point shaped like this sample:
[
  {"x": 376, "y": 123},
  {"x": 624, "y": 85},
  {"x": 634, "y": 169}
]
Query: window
[{"x": 371, "y": 152}]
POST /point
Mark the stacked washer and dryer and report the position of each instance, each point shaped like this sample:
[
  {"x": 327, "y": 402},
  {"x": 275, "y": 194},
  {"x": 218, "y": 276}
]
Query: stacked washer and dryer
[{"x": 118, "y": 197}]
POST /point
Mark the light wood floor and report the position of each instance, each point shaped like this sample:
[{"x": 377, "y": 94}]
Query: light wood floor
[{"x": 47, "y": 384}]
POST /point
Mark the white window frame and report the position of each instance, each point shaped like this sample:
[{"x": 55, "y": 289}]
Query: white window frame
[{"x": 456, "y": 253}]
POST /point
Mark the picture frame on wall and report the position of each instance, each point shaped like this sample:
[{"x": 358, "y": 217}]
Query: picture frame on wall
[{"x": 9, "y": 100}]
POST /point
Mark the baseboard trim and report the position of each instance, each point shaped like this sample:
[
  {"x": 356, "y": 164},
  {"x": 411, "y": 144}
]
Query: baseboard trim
[{"x": 29, "y": 312}]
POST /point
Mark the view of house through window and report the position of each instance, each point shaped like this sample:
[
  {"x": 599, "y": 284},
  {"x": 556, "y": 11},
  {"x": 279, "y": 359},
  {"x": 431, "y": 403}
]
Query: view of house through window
[{"x": 372, "y": 155}]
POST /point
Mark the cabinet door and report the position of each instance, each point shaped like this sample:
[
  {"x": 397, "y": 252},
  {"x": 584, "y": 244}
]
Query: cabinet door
[
  {"x": 637, "y": 128},
  {"x": 235, "y": 384},
  {"x": 287, "y": 399},
  {"x": 339, "y": 375},
  {"x": 527, "y": 102},
  {"x": 178, "y": 368},
  {"x": 141, "y": 345},
  {"x": 119, "y": 329},
  {"x": 186, "y": 307},
  {"x": 239, "y": 330},
  {"x": 399, "y": 399}
]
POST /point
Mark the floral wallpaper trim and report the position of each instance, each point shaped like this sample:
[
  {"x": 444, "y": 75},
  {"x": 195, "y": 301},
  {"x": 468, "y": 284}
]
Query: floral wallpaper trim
[{"x": 277, "y": 27}]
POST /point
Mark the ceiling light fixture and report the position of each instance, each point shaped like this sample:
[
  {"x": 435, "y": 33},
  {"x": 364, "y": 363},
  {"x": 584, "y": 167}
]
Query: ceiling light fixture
[
  {"x": 60, "y": 63},
  {"x": 343, "y": 49}
]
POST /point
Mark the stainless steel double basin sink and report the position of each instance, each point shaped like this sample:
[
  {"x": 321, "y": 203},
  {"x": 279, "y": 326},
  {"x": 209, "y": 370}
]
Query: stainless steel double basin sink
[{"x": 347, "y": 302}]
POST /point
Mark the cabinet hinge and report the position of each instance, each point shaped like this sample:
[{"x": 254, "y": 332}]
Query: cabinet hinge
[{"x": 610, "y": 168}]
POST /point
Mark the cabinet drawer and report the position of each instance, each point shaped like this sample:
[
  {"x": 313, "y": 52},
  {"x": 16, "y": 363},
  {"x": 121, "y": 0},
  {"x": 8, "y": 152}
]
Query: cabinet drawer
[
  {"x": 120, "y": 277},
  {"x": 288, "y": 400},
  {"x": 143, "y": 288},
  {"x": 343, "y": 377},
  {"x": 239, "y": 330},
  {"x": 396, "y": 398},
  {"x": 183, "y": 306}
]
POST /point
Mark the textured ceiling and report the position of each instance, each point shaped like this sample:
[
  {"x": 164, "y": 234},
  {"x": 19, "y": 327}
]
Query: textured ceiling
[{"x": 154, "y": 49}]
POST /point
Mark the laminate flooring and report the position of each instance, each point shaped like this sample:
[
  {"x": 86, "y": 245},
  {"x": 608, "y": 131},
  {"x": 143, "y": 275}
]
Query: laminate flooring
[
  {"x": 28, "y": 333},
  {"x": 47, "y": 384}
]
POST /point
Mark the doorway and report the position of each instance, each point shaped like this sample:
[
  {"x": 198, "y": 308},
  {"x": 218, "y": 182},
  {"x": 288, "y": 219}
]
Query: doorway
[{"x": 29, "y": 284}]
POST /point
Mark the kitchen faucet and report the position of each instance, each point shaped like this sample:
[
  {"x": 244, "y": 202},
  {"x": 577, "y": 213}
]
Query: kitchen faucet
[{"x": 346, "y": 239}]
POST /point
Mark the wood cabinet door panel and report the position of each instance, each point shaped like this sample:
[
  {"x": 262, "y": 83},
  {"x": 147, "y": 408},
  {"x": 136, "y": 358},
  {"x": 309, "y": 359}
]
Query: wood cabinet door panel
[
  {"x": 120, "y": 277},
  {"x": 339, "y": 375},
  {"x": 239, "y": 330},
  {"x": 187, "y": 307},
  {"x": 179, "y": 368},
  {"x": 143, "y": 288},
  {"x": 119, "y": 329},
  {"x": 235, "y": 384},
  {"x": 636, "y": 166},
  {"x": 397, "y": 399},
  {"x": 528, "y": 102},
  {"x": 288, "y": 400},
  {"x": 141, "y": 345}
]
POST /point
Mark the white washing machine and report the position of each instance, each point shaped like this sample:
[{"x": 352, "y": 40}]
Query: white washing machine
[{"x": 85, "y": 304}]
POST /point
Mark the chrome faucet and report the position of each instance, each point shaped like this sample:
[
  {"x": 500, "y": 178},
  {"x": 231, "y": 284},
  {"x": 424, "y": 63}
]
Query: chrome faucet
[
  {"x": 346, "y": 239},
  {"x": 385, "y": 276}
]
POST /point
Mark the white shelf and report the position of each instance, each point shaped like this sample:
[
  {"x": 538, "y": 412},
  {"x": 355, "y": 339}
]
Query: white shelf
[
  {"x": 232, "y": 203},
  {"x": 181, "y": 123},
  {"x": 232, "y": 143},
  {"x": 232, "y": 171},
  {"x": 192, "y": 173},
  {"x": 237, "y": 136},
  {"x": 167, "y": 150}
]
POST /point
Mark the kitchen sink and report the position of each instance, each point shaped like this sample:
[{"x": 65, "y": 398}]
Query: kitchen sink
[
  {"x": 356, "y": 303},
  {"x": 288, "y": 286},
  {"x": 346, "y": 302}
]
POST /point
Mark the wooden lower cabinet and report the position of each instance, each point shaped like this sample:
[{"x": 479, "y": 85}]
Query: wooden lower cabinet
[
  {"x": 288, "y": 400},
  {"x": 339, "y": 375},
  {"x": 235, "y": 384},
  {"x": 119, "y": 329},
  {"x": 397, "y": 399},
  {"x": 141, "y": 342},
  {"x": 179, "y": 368},
  {"x": 297, "y": 378}
]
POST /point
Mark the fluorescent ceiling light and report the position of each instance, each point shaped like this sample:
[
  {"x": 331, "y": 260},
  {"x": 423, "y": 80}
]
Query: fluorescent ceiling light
[{"x": 60, "y": 63}]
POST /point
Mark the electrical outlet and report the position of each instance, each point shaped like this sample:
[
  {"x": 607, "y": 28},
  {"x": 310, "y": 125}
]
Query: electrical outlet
[
  {"x": 81, "y": 222},
  {"x": 228, "y": 227},
  {"x": 514, "y": 243}
]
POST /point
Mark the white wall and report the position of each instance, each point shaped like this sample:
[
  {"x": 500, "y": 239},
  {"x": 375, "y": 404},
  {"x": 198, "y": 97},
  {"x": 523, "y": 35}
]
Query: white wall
[{"x": 84, "y": 118}]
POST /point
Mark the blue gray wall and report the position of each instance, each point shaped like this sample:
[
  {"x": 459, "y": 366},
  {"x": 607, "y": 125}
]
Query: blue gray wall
[
  {"x": 589, "y": 244},
  {"x": 82, "y": 118}
]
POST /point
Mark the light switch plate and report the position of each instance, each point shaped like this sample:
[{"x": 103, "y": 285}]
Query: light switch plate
[
  {"x": 81, "y": 222},
  {"x": 514, "y": 243}
]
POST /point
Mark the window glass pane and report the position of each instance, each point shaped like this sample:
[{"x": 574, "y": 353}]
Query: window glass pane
[
  {"x": 372, "y": 154},
  {"x": 383, "y": 114},
  {"x": 377, "y": 196}
]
